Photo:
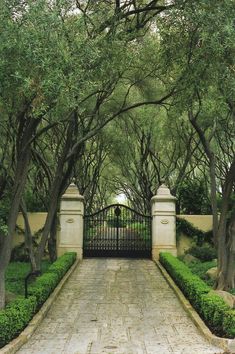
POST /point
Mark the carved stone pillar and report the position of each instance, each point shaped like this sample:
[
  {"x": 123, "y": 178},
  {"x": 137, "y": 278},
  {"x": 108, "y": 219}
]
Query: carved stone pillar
[
  {"x": 70, "y": 236},
  {"x": 163, "y": 222}
]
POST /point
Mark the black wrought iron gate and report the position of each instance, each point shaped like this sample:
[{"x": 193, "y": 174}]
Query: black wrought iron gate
[{"x": 117, "y": 231}]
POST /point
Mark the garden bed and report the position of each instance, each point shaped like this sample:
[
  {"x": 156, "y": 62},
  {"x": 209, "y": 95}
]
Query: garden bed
[
  {"x": 15, "y": 317},
  {"x": 211, "y": 307},
  {"x": 16, "y": 273}
]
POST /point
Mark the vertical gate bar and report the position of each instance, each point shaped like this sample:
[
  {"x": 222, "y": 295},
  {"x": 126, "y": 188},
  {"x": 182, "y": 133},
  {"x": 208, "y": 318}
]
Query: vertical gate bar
[{"x": 117, "y": 232}]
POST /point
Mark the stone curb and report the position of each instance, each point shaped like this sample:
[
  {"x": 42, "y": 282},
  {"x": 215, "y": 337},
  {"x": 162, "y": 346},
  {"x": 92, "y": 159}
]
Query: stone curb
[
  {"x": 24, "y": 336},
  {"x": 226, "y": 344}
]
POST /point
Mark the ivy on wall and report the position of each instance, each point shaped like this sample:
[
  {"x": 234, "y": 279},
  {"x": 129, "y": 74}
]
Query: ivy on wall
[{"x": 185, "y": 227}]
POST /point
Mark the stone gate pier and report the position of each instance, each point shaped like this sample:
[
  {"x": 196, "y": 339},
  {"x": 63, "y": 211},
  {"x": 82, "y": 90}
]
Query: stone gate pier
[
  {"x": 70, "y": 236},
  {"x": 163, "y": 222}
]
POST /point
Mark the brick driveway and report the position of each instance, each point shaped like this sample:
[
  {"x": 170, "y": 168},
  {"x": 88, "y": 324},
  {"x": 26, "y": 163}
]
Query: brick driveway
[{"x": 117, "y": 306}]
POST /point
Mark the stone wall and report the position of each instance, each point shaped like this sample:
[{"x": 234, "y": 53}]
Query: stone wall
[
  {"x": 36, "y": 220},
  {"x": 202, "y": 222}
]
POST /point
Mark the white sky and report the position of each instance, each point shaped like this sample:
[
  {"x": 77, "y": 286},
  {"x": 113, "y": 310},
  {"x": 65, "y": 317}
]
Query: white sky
[{"x": 121, "y": 198}]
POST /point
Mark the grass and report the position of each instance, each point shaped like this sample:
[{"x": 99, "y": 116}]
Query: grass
[{"x": 16, "y": 273}]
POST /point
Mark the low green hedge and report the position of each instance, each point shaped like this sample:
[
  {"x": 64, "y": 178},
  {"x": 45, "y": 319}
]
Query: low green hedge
[
  {"x": 15, "y": 317},
  {"x": 211, "y": 307},
  {"x": 46, "y": 283},
  {"x": 229, "y": 323},
  {"x": 43, "y": 286}
]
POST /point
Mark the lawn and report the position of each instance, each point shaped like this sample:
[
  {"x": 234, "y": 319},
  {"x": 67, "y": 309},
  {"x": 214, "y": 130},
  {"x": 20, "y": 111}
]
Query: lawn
[{"x": 16, "y": 273}]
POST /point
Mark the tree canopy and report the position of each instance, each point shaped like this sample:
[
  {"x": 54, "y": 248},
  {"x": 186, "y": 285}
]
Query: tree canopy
[{"x": 119, "y": 95}]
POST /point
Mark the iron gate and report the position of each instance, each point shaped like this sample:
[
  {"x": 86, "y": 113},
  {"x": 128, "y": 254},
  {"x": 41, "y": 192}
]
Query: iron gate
[{"x": 117, "y": 231}]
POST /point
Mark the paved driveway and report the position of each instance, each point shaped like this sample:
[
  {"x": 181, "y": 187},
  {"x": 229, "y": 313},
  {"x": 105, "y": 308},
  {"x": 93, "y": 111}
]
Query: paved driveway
[{"x": 117, "y": 306}]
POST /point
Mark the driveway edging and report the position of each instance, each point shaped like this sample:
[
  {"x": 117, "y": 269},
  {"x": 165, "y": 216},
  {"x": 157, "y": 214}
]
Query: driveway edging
[
  {"x": 24, "y": 336},
  {"x": 224, "y": 343}
]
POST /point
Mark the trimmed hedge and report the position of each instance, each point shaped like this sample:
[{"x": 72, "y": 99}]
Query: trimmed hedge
[
  {"x": 45, "y": 284},
  {"x": 211, "y": 307},
  {"x": 229, "y": 323},
  {"x": 15, "y": 317}
]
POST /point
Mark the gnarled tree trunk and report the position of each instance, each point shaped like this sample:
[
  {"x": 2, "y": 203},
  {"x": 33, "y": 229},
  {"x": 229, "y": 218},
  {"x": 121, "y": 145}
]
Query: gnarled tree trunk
[
  {"x": 26, "y": 130},
  {"x": 28, "y": 236}
]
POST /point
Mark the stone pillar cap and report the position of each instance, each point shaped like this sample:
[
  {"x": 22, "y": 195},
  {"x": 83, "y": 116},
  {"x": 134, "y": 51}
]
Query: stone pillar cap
[
  {"x": 72, "y": 192},
  {"x": 163, "y": 195},
  {"x": 163, "y": 190}
]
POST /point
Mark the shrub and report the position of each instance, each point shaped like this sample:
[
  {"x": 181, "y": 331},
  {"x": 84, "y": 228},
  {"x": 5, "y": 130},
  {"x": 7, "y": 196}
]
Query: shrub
[
  {"x": 45, "y": 284},
  {"x": 211, "y": 307},
  {"x": 15, "y": 318},
  {"x": 200, "y": 269},
  {"x": 212, "y": 310},
  {"x": 192, "y": 286},
  {"x": 204, "y": 253},
  {"x": 229, "y": 323},
  {"x": 62, "y": 264},
  {"x": 232, "y": 291}
]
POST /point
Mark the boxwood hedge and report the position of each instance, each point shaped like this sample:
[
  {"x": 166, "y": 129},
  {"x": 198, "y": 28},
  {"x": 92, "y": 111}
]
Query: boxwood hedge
[
  {"x": 15, "y": 317},
  {"x": 211, "y": 307}
]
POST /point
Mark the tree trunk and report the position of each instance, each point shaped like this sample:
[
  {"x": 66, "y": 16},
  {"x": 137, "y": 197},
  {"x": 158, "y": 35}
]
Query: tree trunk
[
  {"x": 211, "y": 158},
  {"x": 214, "y": 199},
  {"x": 52, "y": 240},
  {"x": 62, "y": 175},
  {"x": 48, "y": 224},
  {"x": 28, "y": 236},
  {"x": 23, "y": 158},
  {"x": 5, "y": 251},
  {"x": 226, "y": 234},
  {"x": 2, "y": 288},
  {"x": 230, "y": 276}
]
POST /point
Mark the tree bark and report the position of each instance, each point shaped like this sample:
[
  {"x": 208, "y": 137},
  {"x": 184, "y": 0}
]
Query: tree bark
[
  {"x": 5, "y": 252},
  {"x": 28, "y": 236},
  {"x": 52, "y": 240},
  {"x": 211, "y": 158},
  {"x": 230, "y": 276},
  {"x": 226, "y": 235},
  {"x": 26, "y": 129},
  {"x": 49, "y": 220},
  {"x": 2, "y": 288}
]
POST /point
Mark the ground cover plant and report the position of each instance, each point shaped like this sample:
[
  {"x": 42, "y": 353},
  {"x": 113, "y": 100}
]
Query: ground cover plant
[
  {"x": 16, "y": 273},
  {"x": 200, "y": 268},
  {"x": 17, "y": 314},
  {"x": 205, "y": 259},
  {"x": 211, "y": 307}
]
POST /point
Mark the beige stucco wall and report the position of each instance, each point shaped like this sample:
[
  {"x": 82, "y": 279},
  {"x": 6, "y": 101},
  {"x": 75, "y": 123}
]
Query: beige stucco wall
[
  {"x": 202, "y": 222},
  {"x": 36, "y": 221},
  {"x": 183, "y": 244}
]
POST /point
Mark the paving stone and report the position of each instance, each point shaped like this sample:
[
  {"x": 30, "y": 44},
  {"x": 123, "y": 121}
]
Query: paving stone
[{"x": 117, "y": 306}]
